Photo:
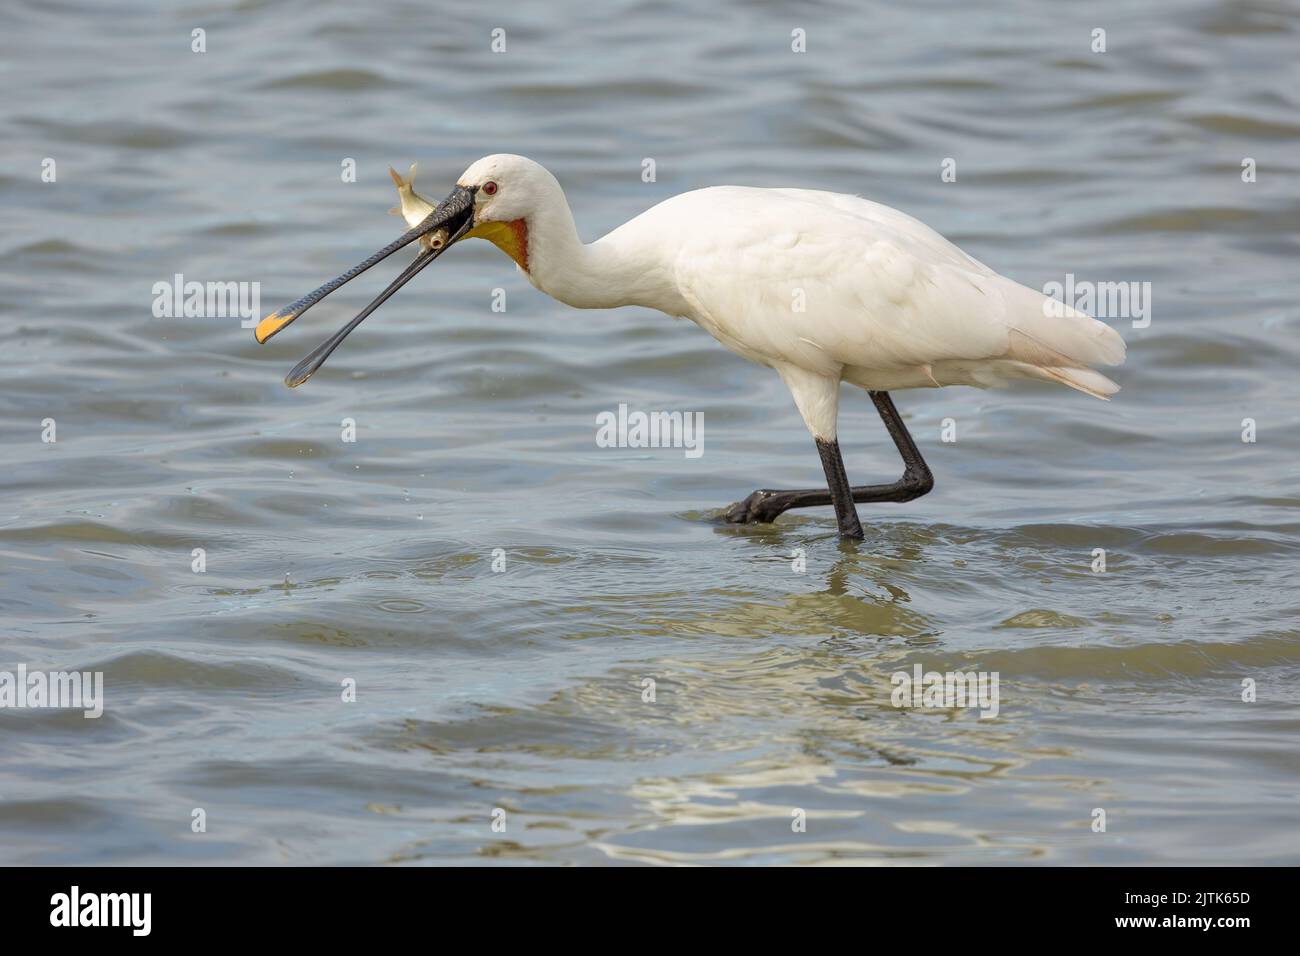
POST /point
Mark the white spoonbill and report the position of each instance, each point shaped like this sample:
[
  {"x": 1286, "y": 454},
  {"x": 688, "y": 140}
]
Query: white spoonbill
[{"x": 822, "y": 287}]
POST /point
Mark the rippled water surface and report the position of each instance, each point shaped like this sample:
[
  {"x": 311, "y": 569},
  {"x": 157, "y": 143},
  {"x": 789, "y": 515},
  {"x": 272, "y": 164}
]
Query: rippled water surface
[{"x": 523, "y": 690}]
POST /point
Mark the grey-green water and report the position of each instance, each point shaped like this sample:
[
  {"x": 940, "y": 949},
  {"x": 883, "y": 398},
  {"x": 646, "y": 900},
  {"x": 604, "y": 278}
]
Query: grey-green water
[{"x": 523, "y": 690}]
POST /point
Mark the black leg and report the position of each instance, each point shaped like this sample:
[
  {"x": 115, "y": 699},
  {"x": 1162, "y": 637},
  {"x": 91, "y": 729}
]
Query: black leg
[
  {"x": 837, "y": 482},
  {"x": 766, "y": 504}
]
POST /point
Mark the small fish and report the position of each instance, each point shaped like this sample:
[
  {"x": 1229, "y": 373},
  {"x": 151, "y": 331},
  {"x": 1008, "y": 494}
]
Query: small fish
[{"x": 415, "y": 208}]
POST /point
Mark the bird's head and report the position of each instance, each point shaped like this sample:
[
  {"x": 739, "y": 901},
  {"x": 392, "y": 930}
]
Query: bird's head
[
  {"x": 495, "y": 199},
  {"x": 509, "y": 193}
]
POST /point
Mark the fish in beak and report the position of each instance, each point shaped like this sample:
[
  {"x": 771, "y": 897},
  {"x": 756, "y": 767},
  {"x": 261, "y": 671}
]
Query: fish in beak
[
  {"x": 411, "y": 205},
  {"x": 439, "y": 228}
]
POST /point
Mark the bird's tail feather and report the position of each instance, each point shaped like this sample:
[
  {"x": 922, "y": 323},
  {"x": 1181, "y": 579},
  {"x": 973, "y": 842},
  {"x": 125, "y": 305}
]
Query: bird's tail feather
[
  {"x": 1086, "y": 380},
  {"x": 1060, "y": 342}
]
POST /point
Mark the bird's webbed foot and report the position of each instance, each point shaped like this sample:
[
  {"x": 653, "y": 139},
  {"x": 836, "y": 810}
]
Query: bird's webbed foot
[{"x": 762, "y": 507}]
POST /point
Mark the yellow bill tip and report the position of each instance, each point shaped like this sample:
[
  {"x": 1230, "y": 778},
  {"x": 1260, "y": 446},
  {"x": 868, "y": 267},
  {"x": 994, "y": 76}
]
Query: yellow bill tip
[{"x": 270, "y": 325}]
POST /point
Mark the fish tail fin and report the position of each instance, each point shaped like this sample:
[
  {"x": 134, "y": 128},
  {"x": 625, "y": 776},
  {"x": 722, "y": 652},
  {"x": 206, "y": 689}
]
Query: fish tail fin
[{"x": 403, "y": 182}]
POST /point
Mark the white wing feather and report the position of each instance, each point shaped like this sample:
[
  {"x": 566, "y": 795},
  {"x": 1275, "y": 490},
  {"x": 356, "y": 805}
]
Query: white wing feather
[{"x": 849, "y": 287}]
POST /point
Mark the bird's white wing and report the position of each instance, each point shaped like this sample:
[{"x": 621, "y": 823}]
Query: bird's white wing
[
  {"x": 913, "y": 235},
  {"x": 840, "y": 285}
]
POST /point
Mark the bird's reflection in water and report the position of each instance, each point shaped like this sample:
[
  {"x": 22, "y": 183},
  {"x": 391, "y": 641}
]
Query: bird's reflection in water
[
  {"x": 864, "y": 590},
  {"x": 794, "y": 698}
]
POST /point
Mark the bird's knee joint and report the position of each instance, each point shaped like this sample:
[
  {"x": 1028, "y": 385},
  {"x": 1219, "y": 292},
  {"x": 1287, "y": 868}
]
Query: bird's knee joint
[{"x": 917, "y": 484}]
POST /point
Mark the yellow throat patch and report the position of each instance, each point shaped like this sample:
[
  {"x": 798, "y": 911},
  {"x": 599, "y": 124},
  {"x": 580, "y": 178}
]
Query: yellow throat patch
[{"x": 510, "y": 237}]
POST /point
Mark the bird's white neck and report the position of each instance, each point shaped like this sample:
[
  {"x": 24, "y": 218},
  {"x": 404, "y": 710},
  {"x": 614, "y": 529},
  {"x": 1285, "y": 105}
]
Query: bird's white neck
[{"x": 625, "y": 267}]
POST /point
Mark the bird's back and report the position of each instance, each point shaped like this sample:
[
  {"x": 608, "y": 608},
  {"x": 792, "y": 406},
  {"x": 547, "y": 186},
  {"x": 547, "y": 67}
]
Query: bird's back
[{"x": 844, "y": 286}]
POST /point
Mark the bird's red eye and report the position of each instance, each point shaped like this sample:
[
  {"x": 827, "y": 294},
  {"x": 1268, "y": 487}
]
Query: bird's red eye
[{"x": 490, "y": 188}]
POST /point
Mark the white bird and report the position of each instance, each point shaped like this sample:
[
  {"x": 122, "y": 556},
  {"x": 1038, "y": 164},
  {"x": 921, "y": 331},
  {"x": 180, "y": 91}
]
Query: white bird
[{"x": 822, "y": 287}]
